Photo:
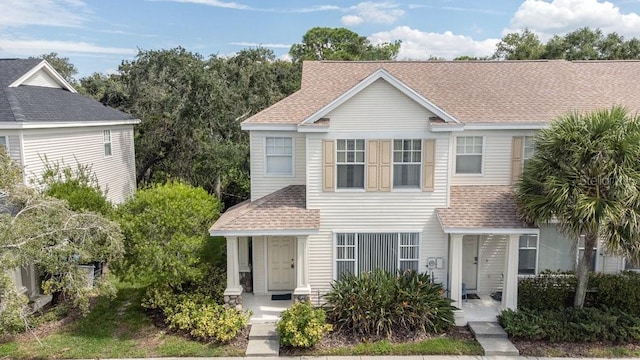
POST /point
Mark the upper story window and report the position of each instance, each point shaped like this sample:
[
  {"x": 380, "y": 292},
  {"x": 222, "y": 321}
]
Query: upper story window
[
  {"x": 4, "y": 142},
  {"x": 528, "y": 149},
  {"x": 279, "y": 156},
  {"x": 469, "y": 155},
  {"x": 527, "y": 254},
  {"x": 350, "y": 163},
  {"x": 407, "y": 155},
  {"x": 106, "y": 140}
]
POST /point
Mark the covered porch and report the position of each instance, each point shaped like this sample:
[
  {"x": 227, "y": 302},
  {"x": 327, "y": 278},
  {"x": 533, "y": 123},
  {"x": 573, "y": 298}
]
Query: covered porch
[
  {"x": 484, "y": 232},
  {"x": 267, "y": 251}
]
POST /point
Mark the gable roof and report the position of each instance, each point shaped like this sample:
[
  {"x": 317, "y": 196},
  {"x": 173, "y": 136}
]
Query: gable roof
[
  {"x": 472, "y": 92},
  {"x": 24, "y": 104}
]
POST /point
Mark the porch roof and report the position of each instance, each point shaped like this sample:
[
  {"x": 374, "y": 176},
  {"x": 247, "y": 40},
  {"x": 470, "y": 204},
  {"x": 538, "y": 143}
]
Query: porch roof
[
  {"x": 279, "y": 213},
  {"x": 481, "y": 208}
]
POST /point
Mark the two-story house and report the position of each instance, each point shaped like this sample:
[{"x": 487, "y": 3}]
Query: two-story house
[
  {"x": 408, "y": 165},
  {"x": 43, "y": 117}
]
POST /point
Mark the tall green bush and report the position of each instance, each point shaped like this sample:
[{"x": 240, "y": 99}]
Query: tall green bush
[
  {"x": 617, "y": 291},
  {"x": 549, "y": 290},
  {"x": 302, "y": 326},
  {"x": 377, "y": 304}
]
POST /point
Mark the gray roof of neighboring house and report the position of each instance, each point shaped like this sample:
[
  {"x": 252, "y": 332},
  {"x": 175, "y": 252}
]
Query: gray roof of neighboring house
[{"x": 42, "y": 104}]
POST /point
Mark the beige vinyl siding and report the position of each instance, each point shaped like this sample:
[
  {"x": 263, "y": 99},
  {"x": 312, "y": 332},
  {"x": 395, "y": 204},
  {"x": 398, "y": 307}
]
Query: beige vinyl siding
[
  {"x": 360, "y": 211},
  {"x": 379, "y": 107},
  {"x": 491, "y": 257},
  {"x": 41, "y": 78},
  {"x": 259, "y": 264},
  {"x": 496, "y": 158},
  {"x": 609, "y": 264},
  {"x": 116, "y": 172},
  {"x": 262, "y": 184}
]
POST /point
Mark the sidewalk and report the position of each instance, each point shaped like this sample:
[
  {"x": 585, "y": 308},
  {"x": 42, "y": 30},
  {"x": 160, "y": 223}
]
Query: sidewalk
[{"x": 416, "y": 357}]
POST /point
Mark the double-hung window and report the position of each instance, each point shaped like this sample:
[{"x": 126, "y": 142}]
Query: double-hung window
[
  {"x": 528, "y": 149},
  {"x": 106, "y": 141},
  {"x": 407, "y": 157},
  {"x": 362, "y": 252},
  {"x": 279, "y": 156},
  {"x": 350, "y": 163},
  {"x": 527, "y": 254},
  {"x": 469, "y": 155}
]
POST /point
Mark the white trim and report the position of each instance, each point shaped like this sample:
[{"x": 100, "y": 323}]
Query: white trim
[
  {"x": 313, "y": 129},
  {"x": 291, "y": 232},
  {"x": 505, "y": 126},
  {"x": 376, "y": 135},
  {"x": 22, "y": 157},
  {"x": 380, "y": 74},
  {"x": 537, "y": 249},
  {"x": 455, "y": 156},
  {"x": 450, "y": 154},
  {"x": 269, "y": 127},
  {"x": 44, "y": 65},
  {"x": 6, "y": 143},
  {"x": 447, "y": 128},
  {"x": 293, "y": 157},
  {"x": 105, "y": 142},
  {"x": 490, "y": 231},
  {"x": 364, "y": 164},
  {"x": 64, "y": 124}
]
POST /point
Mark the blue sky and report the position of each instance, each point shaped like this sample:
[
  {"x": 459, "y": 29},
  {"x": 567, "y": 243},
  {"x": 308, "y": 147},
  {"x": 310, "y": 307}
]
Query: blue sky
[{"x": 98, "y": 34}]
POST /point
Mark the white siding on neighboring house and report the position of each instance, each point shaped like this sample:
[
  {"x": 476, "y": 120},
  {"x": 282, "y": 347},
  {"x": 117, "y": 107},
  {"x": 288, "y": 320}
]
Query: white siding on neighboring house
[
  {"x": 262, "y": 184},
  {"x": 259, "y": 252},
  {"x": 491, "y": 257},
  {"x": 116, "y": 172},
  {"x": 496, "y": 158},
  {"x": 41, "y": 78}
]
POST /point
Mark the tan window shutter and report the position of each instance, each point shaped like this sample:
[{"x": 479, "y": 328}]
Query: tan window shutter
[
  {"x": 428, "y": 164},
  {"x": 516, "y": 158},
  {"x": 372, "y": 165},
  {"x": 384, "y": 177},
  {"x": 328, "y": 165}
]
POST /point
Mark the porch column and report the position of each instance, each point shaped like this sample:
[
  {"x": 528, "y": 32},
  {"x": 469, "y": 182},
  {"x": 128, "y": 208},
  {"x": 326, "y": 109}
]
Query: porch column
[
  {"x": 455, "y": 276},
  {"x": 510, "y": 285},
  {"x": 233, "y": 292},
  {"x": 303, "y": 289}
]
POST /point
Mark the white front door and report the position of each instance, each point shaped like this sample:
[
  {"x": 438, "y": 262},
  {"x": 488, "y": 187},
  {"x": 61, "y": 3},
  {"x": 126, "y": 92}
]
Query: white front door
[
  {"x": 281, "y": 263},
  {"x": 470, "y": 261}
]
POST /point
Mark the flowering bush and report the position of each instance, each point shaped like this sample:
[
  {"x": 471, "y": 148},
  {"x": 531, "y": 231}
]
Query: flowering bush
[{"x": 302, "y": 325}]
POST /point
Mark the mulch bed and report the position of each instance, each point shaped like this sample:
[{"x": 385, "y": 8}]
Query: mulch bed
[{"x": 543, "y": 348}]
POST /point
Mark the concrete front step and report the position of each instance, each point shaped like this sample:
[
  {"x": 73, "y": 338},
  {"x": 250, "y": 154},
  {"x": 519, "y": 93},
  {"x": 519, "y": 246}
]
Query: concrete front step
[
  {"x": 482, "y": 329},
  {"x": 498, "y": 347},
  {"x": 266, "y": 331},
  {"x": 263, "y": 348}
]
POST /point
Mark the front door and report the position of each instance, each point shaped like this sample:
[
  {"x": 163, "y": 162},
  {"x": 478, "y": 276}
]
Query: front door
[
  {"x": 470, "y": 261},
  {"x": 281, "y": 263}
]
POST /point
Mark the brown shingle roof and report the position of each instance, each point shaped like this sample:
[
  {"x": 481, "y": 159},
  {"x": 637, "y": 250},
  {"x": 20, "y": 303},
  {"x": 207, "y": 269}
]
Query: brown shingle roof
[
  {"x": 285, "y": 209},
  {"x": 474, "y": 91},
  {"x": 489, "y": 206}
]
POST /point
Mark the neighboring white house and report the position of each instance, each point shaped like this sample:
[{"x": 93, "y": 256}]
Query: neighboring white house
[
  {"x": 42, "y": 115},
  {"x": 408, "y": 165}
]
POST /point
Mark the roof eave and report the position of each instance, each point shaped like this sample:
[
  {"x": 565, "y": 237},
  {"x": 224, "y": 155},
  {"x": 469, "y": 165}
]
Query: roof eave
[
  {"x": 18, "y": 125},
  {"x": 265, "y": 232}
]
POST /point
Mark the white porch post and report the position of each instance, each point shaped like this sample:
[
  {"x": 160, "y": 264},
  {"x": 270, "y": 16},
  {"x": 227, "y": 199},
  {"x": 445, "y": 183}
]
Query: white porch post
[
  {"x": 510, "y": 286},
  {"x": 233, "y": 292},
  {"x": 455, "y": 276},
  {"x": 303, "y": 289}
]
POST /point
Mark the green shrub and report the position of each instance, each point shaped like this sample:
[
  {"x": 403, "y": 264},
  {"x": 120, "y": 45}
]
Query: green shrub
[
  {"x": 302, "y": 326},
  {"x": 616, "y": 291},
  {"x": 549, "y": 290},
  {"x": 379, "y": 303},
  {"x": 571, "y": 325}
]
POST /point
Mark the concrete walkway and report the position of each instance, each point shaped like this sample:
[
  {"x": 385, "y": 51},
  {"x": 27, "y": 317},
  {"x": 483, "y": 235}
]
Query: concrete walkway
[{"x": 493, "y": 339}]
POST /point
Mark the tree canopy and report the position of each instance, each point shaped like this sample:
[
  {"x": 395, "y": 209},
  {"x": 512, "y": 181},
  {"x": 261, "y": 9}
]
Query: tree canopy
[
  {"x": 62, "y": 65},
  {"x": 585, "y": 174},
  {"x": 323, "y": 43}
]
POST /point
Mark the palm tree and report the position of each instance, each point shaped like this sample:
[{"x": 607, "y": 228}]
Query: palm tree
[{"x": 585, "y": 174}]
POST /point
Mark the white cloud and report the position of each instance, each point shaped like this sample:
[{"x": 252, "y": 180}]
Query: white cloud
[
  {"x": 561, "y": 16},
  {"x": 267, "y": 45},
  {"x": 315, "y": 9},
  {"x": 420, "y": 45},
  {"x": 372, "y": 12},
  {"x": 32, "y": 47},
  {"x": 458, "y": 9},
  {"x": 214, "y": 3},
  {"x": 63, "y": 13}
]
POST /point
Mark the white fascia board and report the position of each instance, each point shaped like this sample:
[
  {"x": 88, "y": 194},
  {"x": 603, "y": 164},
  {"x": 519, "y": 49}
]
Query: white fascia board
[
  {"x": 505, "y": 126},
  {"x": 381, "y": 74},
  {"x": 448, "y": 128},
  {"x": 291, "y": 232},
  {"x": 269, "y": 127},
  {"x": 489, "y": 231},
  {"x": 70, "y": 124},
  {"x": 313, "y": 129},
  {"x": 44, "y": 65}
]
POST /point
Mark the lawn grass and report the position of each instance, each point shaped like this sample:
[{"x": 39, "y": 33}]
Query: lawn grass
[
  {"x": 436, "y": 346},
  {"x": 114, "y": 328}
]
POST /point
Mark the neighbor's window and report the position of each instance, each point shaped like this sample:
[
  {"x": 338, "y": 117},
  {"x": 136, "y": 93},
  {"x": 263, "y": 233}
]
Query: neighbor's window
[
  {"x": 361, "y": 252},
  {"x": 630, "y": 265},
  {"x": 469, "y": 155},
  {"x": 279, "y": 156},
  {"x": 527, "y": 254},
  {"x": 3, "y": 142},
  {"x": 592, "y": 265},
  {"x": 528, "y": 149},
  {"x": 106, "y": 140},
  {"x": 350, "y": 163},
  {"x": 407, "y": 157}
]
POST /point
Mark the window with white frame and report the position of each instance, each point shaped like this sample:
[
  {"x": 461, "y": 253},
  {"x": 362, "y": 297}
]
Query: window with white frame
[
  {"x": 581, "y": 248},
  {"x": 362, "y": 252},
  {"x": 469, "y": 155},
  {"x": 527, "y": 254},
  {"x": 527, "y": 149},
  {"x": 279, "y": 156},
  {"x": 630, "y": 265},
  {"x": 407, "y": 158},
  {"x": 106, "y": 140},
  {"x": 3, "y": 142},
  {"x": 350, "y": 163}
]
